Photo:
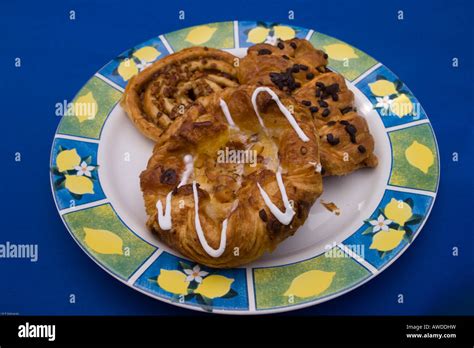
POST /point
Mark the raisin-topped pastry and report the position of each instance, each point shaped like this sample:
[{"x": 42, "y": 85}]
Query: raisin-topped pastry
[
  {"x": 297, "y": 68},
  {"x": 288, "y": 65},
  {"x": 227, "y": 211},
  {"x": 345, "y": 141},
  {"x": 161, "y": 93}
]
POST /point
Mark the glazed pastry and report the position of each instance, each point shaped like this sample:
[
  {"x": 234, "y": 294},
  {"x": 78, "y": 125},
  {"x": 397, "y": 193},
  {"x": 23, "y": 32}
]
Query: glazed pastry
[
  {"x": 160, "y": 94},
  {"x": 227, "y": 211},
  {"x": 297, "y": 68}
]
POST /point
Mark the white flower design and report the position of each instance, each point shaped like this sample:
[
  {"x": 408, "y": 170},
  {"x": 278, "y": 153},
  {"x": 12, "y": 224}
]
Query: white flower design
[
  {"x": 195, "y": 274},
  {"x": 272, "y": 40},
  {"x": 143, "y": 64},
  {"x": 84, "y": 169},
  {"x": 383, "y": 103},
  {"x": 380, "y": 224}
]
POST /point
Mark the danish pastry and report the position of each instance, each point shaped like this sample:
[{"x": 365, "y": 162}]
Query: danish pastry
[
  {"x": 297, "y": 68},
  {"x": 225, "y": 211},
  {"x": 288, "y": 65},
  {"x": 161, "y": 93},
  {"x": 345, "y": 141}
]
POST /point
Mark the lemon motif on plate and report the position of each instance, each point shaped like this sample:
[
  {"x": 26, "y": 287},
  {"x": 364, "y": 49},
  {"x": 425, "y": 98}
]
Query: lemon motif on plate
[
  {"x": 420, "y": 156},
  {"x": 401, "y": 106},
  {"x": 258, "y": 35},
  {"x": 173, "y": 281},
  {"x": 79, "y": 185},
  {"x": 398, "y": 211},
  {"x": 309, "y": 284},
  {"x": 200, "y": 35},
  {"x": 387, "y": 240},
  {"x": 85, "y": 107},
  {"x": 284, "y": 32},
  {"x": 340, "y": 52},
  {"x": 127, "y": 69},
  {"x": 67, "y": 160},
  {"x": 69, "y": 167},
  {"x": 103, "y": 241},
  {"x": 214, "y": 286},
  {"x": 382, "y": 88},
  {"x": 147, "y": 54}
]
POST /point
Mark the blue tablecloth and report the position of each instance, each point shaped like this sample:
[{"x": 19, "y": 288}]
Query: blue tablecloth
[{"x": 59, "y": 55}]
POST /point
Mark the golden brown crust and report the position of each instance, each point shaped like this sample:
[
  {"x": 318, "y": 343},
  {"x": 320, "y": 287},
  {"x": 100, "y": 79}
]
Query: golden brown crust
[
  {"x": 159, "y": 102},
  {"x": 266, "y": 64},
  {"x": 296, "y": 67},
  {"x": 158, "y": 96},
  {"x": 345, "y": 139},
  {"x": 229, "y": 190}
]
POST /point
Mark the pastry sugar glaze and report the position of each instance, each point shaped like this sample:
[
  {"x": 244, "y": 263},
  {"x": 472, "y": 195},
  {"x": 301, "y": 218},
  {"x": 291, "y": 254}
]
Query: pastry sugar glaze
[
  {"x": 226, "y": 112},
  {"x": 202, "y": 238},
  {"x": 286, "y": 216},
  {"x": 164, "y": 219},
  {"x": 282, "y": 108},
  {"x": 226, "y": 208},
  {"x": 188, "y": 170}
]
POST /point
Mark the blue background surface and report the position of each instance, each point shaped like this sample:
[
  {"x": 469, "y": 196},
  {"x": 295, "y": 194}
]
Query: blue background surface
[{"x": 59, "y": 56}]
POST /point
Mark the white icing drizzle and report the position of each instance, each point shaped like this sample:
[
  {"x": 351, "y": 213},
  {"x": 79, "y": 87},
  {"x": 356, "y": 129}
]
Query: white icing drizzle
[
  {"x": 282, "y": 108},
  {"x": 188, "y": 170},
  {"x": 286, "y": 216},
  {"x": 164, "y": 220},
  {"x": 226, "y": 112},
  {"x": 202, "y": 238}
]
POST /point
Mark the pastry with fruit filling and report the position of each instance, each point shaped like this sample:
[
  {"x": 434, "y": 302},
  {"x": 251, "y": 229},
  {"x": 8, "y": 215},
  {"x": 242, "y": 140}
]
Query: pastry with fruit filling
[
  {"x": 235, "y": 176},
  {"x": 297, "y": 68}
]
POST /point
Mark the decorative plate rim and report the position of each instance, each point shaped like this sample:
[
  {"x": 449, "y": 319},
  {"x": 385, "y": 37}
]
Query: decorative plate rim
[{"x": 249, "y": 271}]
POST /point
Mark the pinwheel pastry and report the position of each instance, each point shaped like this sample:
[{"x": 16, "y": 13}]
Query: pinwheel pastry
[
  {"x": 160, "y": 94},
  {"x": 297, "y": 68},
  {"x": 235, "y": 176}
]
